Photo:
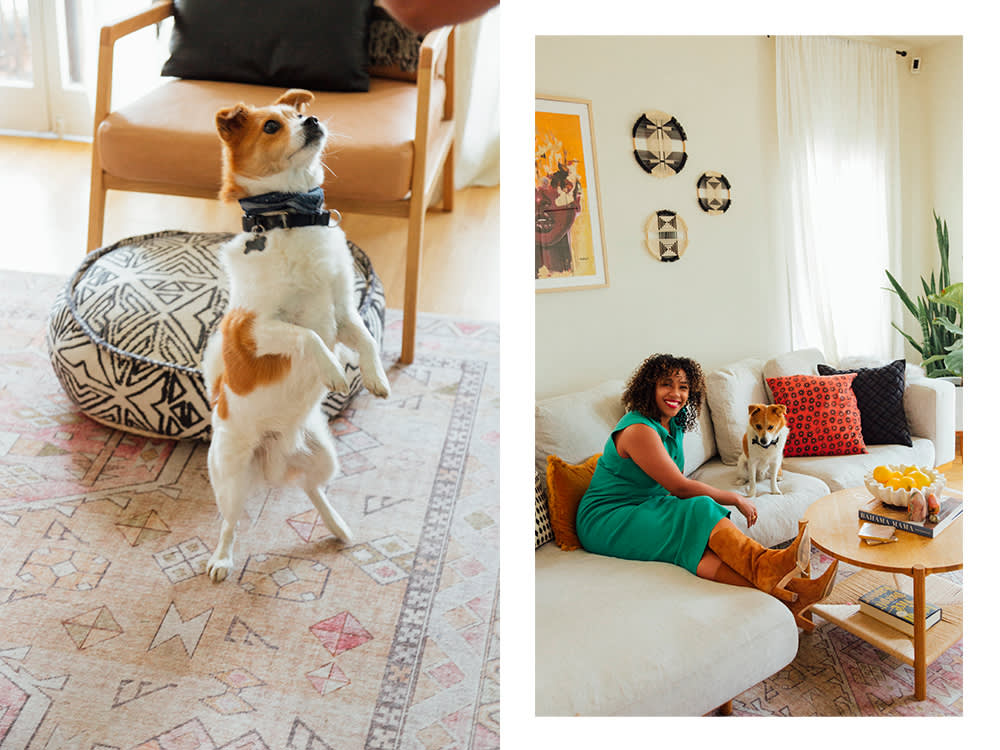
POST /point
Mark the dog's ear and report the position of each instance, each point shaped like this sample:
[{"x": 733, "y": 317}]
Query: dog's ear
[
  {"x": 298, "y": 98},
  {"x": 752, "y": 408},
  {"x": 781, "y": 409},
  {"x": 230, "y": 121}
]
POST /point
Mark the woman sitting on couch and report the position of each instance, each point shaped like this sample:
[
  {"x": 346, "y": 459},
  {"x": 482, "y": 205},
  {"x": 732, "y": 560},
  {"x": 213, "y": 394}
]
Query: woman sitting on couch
[{"x": 640, "y": 506}]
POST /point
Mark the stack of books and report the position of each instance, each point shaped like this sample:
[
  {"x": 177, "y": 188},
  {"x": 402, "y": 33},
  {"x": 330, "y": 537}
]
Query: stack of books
[
  {"x": 895, "y": 609},
  {"x": 878, "y": 512}
]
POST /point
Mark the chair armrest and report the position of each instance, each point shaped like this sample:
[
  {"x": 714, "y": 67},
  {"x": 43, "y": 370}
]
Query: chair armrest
[
  {"x": 106, "y": 55},
  {"x": 929, "y": 404},
  {"x": 159, "y": 12},
  {"x": 432, "y": 48},
  {"x": 433, "y": 45}
]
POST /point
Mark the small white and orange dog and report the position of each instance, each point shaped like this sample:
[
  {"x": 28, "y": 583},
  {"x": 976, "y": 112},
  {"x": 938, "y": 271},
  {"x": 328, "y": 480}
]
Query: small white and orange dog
[
  {"x": 763, "y": 447},
  {"x": 291, "y": 287}
]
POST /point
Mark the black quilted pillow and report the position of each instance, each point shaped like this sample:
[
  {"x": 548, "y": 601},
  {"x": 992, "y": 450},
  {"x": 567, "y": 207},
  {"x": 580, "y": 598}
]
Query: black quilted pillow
[{"x": 879, "y": 391}]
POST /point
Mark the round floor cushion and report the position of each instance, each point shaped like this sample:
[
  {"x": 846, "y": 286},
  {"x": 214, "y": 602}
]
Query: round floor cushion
[{"x": 126, "y": 336}]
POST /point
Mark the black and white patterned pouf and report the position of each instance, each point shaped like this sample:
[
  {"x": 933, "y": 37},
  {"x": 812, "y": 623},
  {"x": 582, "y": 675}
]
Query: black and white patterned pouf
[{"x": 127, "y": 335}]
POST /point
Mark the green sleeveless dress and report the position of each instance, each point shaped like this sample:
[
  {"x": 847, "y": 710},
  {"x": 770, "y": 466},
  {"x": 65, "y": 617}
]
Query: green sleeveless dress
[{"x": 625, "y": 513}]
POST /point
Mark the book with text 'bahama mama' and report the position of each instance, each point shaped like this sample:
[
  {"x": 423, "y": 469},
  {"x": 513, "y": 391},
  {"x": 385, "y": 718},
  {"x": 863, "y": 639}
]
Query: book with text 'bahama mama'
[
  {"x": 895, "y": 608},
  {"x": 876, "y": 511}
]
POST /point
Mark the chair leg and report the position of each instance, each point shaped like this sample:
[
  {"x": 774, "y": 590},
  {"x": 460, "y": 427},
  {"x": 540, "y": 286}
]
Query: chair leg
[
  {"x": 414, "y": 249},
  {"x": 448, "y": 180},
  {"x": 98, "y": 199}
]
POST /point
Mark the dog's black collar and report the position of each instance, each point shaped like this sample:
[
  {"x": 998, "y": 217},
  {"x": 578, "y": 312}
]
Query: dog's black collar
[
  {"x": 278, "y": 210},
  {"x": 285, "y": 220}
]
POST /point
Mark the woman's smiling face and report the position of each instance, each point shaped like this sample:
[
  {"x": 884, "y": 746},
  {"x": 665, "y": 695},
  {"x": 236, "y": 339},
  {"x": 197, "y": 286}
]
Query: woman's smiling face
[{"x": 672, "y": 393}]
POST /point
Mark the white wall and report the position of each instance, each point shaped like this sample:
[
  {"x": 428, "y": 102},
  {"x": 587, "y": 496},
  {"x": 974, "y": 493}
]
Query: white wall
[
  {"x": 725, "y": 298},
  {"x": 931, "y": 133},
  {"x": 941, "y": 90}
]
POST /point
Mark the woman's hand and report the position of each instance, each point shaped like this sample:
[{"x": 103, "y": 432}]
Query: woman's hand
[{"x": 745, "y": 506}]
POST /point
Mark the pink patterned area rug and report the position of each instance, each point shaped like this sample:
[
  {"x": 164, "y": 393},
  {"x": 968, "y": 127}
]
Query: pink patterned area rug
[
  {"x": 835, "y": 673},
  {"x": 111, "y": 635}
]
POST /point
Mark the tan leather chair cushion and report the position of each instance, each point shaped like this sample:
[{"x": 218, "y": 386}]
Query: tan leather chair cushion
[{"x": 169, "y": 136}]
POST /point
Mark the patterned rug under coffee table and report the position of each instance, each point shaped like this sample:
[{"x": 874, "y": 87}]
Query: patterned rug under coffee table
[
  {"x": 836, "y": 673},
  {"x": 111, "y": 636}
]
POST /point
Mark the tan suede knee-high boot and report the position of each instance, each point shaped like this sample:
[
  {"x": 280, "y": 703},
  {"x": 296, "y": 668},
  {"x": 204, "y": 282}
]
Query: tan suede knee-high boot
[
  {"x": 767, "y": 569},
  {"x": 810, "y": 591}
]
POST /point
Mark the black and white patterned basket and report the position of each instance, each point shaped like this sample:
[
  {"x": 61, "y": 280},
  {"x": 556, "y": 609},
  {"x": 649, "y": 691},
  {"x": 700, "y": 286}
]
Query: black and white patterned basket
[{"x": 127, "y": 335}]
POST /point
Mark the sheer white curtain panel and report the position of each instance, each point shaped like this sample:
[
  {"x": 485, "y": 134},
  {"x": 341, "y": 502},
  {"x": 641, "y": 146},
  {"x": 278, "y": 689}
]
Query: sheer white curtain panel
[{"x": 838, "y": 141}]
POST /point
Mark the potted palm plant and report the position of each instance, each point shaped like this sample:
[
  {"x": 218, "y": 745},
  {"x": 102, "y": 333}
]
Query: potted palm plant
[{"x": 939, "y": 314}]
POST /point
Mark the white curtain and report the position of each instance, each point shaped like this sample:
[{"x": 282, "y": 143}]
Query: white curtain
[
  {"x": 477, "y": 101},
  {"x": 838, "y": 141}
]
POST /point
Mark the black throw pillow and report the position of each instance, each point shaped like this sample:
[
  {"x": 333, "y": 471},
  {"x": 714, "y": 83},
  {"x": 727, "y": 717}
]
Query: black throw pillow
[
  {"x": 879, "y": 391},
  {"x": 313, "y": 44}
]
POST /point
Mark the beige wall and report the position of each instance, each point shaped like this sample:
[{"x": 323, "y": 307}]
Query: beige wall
[
  {"x": 931, "y": 133},
  {"x": 725, "y": 298}
]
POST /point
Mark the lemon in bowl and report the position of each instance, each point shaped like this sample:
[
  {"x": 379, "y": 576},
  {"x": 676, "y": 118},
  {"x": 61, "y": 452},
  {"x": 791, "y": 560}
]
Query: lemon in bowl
[{"x": 893, "y": 483}]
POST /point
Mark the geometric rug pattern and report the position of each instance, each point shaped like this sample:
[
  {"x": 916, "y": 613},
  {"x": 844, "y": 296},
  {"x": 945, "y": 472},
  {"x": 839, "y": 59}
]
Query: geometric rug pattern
[
  {"x": 112, "y": 636},
  {"x": 835, "y": 673}
]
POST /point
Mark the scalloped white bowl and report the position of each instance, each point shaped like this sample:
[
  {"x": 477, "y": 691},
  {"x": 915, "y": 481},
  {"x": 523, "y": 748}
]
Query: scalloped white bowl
[{"x": 900, "y": 497}]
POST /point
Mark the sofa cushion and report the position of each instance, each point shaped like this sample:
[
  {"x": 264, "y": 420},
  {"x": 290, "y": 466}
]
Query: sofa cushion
[
  {"x": 777, "y": 515},
  {"x": 577, "y": 425},
  {"x": 798, "y": 362},
  {"x": 619, "y": 637},
  {"x": 879, "y": 392},
  {"x": 730, "y": 390},
  {"x": 699, "y": 443},
  {"x": 566, "y": 484},
  {"x": 543, "y": 526},
  {"x": 841, "y": 472},
  {"x": 370, "y": 156},
  {"x": 298, "y": 43},
  {"x": 823, "y": 417}
]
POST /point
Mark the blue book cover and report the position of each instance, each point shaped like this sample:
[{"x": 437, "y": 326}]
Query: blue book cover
[{"x": 898, "y": 606}]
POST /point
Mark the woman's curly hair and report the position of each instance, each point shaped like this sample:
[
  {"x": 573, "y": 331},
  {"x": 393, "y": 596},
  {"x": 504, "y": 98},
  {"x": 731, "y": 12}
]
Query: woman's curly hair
[{"x": 640, "y": 391}]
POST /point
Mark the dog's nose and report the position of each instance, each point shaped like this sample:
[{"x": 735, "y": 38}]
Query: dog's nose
[{"x": 311, "y": 121}]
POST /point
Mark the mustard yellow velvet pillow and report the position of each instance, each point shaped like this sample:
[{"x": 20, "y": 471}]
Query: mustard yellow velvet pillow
[{"x": 567, "y": 483}]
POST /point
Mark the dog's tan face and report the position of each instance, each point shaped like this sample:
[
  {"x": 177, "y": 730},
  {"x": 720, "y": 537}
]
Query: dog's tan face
[
  {"x": 261, "y": 144},
  {"x": 766, "y": 421}
]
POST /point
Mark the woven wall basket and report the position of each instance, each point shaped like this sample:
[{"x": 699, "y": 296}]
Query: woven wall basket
[{"x": 127, "y": 335}]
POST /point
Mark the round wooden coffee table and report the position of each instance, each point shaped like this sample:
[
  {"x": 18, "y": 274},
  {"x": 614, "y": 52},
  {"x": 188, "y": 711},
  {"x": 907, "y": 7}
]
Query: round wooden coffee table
[{"x": 833, "y": 527}]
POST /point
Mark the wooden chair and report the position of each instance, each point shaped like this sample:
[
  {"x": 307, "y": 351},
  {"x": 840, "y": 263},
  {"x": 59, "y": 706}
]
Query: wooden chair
[{"x": 398, "y": 142}]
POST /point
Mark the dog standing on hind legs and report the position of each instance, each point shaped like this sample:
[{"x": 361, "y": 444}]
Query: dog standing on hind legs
[
  {"x": 291, "y": 300},
  {"x": 763, "y": 447}
]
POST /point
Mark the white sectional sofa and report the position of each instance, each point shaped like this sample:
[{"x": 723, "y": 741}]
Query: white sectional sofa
[{"x": 621, "y": 637}]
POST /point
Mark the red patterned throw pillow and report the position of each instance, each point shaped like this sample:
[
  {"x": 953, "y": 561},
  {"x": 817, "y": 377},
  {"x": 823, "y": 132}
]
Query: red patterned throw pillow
[{"x": 823, "y": 417}]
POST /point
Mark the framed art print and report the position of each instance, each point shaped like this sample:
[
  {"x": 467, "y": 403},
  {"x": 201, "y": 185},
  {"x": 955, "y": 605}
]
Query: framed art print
[{"x": 569, "y": 230}]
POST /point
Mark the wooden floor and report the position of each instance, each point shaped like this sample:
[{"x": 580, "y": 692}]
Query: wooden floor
[{"x": 45, "y": 188}]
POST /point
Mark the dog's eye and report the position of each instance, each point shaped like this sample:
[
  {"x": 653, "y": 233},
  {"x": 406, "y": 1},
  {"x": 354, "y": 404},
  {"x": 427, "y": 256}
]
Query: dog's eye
[{"x": 272, "y": 126}]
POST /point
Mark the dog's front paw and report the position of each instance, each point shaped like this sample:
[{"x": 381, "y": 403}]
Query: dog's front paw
[
  {"x": 218, "y": 567},
  {"x": 377, "y": 385},
  {"x": 335, "y": 379}
]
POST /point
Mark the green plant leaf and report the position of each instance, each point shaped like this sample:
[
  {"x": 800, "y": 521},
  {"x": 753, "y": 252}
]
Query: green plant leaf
[
  {"x": 901, "y": 293},
  {"x": 950, "y": 296},
  {"x": 909, "y": 338},
  {"x": 948, "y": 325}
]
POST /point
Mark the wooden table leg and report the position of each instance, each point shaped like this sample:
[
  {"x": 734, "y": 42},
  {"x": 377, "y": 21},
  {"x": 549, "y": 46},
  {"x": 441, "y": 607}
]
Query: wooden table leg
[{"x": 919, "y": 633}]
